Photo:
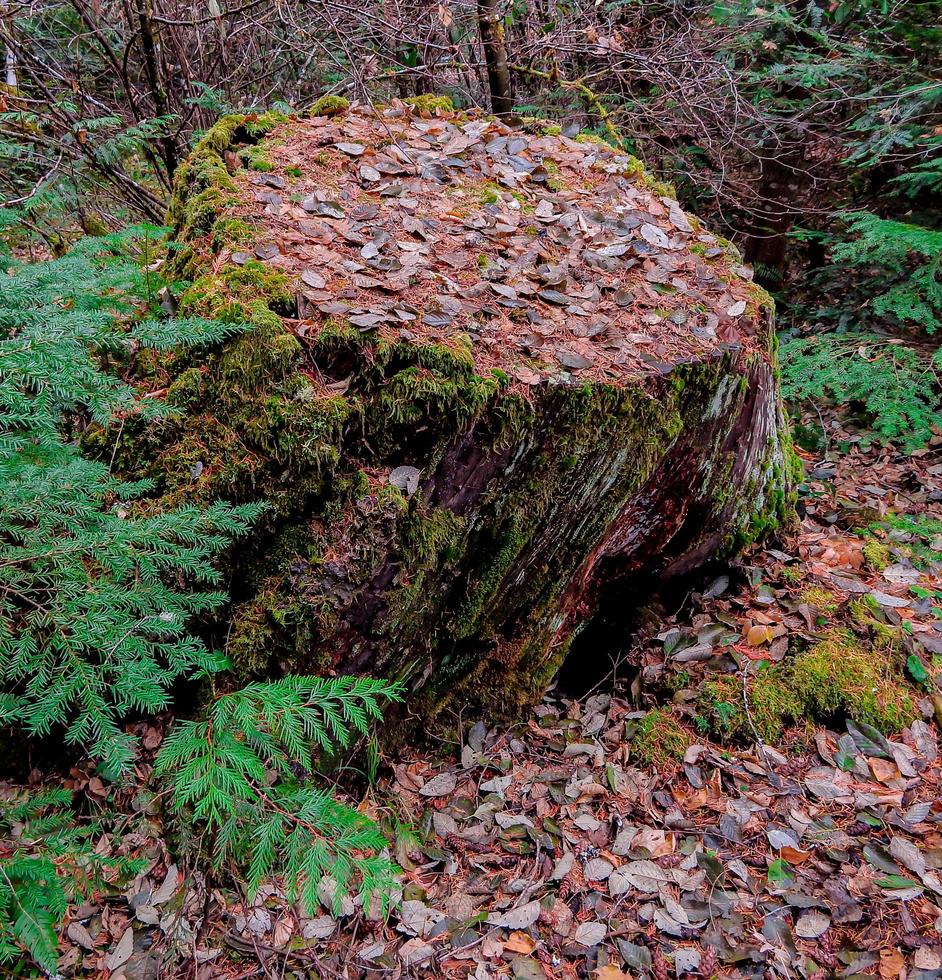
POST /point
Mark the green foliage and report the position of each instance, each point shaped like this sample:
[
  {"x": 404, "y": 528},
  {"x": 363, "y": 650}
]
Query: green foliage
[
  {"x": 896, "y": 387},
  {"x": 893, "y": 269},
  {"x": 98, "y": 587},
  {"x": 242, "y": 775},
  {"x": 838, "y": 674},
  {"x": 659, "y": 739},
  {"x": 920, "y": 536},
  {"x": 54, "y": 863},
  {"x": 96, "y": 591}
]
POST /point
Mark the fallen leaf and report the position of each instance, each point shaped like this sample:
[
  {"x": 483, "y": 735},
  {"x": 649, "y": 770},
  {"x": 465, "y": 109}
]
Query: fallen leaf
[
  {"x": 590, "y": 933},
  {"x": 440, "y": 785},
  {"x": 610, "y": 972},
  {"x": 812, "y": 924},
  {"x": 518, "y": 918},
  {"x": 122, "y": 951},
  {"x": 520, "y": 942}
]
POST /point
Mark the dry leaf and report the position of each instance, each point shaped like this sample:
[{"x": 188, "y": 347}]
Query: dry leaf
[{"x": 520, "y": 942}]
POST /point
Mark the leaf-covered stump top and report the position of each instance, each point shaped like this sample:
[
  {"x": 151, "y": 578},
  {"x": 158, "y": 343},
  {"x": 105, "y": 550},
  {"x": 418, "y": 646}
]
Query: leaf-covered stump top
[{"x": 548, "y": 257}]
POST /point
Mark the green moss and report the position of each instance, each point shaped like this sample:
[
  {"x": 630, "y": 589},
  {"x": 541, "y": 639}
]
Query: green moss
[
  {"x": 864, "y": 609},
  {"x": 820, "y": 598},
  {"x": 838, "y": 674},
  {"x": 431, "y": 104},
  {"x": 660, "y": 187},
  {"x": 257, "y": 126},
  {"x": 731, "y": 249},
  {"x": 252, "y": 637},
  {"x": 835, "y": 675},
  {"x": 255, "y": 158},
  {"x": 428, "y": 534},
  {"x": 597, "y": 140},
  {"x": 633, "y": 167},
  {"x": 203, "y": 186},
  {"x": 660, "y": 740},
  {"x": 877, "y": 555},
  {"x": 329, "y": 105},
  {"x": 448, "y": 395},
  {"x": 507, "y": 548},
  {"x": 767, "y": 501},
  {"x": 187, "y": 390},
  {"x": 772, "y": 703},
  {"x": 233, "y": 232},
  {"x": 869, "y": 614},
  {"x": 238, "y": 293}
]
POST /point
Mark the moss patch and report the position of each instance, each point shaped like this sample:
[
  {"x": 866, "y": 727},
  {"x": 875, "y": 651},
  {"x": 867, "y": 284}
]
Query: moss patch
[
  {"x": 430, "y": 104},
  {"x": 660, "y": 740},
  {"x": 837, "y": 675},
  {"x": 820, "y": 598},
  {"x": 876, "y": 555},
  {"x": 771, "y": 704},
  {"x": 329, "y": 105}
]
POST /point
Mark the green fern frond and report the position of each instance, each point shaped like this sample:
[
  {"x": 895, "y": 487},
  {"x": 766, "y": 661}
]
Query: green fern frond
[
  {"x": 219, "y": 773},
  {"x": 96, "y": 595},
  {"x": 892, "y": 383}
]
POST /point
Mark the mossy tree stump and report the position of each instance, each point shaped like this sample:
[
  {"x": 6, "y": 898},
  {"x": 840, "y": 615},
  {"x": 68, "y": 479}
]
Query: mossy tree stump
[{"x": 486, "y": 373}]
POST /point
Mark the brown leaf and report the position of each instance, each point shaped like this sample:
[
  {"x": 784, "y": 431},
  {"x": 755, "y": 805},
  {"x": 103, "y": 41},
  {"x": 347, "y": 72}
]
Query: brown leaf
[{"x": 520, "y": 942}]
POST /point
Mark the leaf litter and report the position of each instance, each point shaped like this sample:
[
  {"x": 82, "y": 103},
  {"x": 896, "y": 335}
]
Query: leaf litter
[
  {"x": 547, "y": 258},
  {"x": 553, "y": 849}
]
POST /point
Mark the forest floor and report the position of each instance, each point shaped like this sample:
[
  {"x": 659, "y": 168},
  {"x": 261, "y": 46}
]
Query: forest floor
[{"x": 594, "y": 840}]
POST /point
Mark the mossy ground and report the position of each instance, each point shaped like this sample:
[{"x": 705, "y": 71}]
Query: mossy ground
[
  {"x": 329, "y": 105},
  {"x": 877, "y": 554},
  {"x": 840, "y": 675},
  {"x": 430, "y": 104},
  {"x": 660, "y": 740},
  {"x": 823, "y": 599}
]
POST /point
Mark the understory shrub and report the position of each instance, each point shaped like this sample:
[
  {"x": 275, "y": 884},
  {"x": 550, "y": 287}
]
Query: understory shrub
[
  {"x": 98, "y": 586},
  {"x": 895, "y": 385}
]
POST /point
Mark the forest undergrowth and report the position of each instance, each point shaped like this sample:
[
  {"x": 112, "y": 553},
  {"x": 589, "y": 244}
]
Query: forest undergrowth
[{"x": 751, "y": 789}]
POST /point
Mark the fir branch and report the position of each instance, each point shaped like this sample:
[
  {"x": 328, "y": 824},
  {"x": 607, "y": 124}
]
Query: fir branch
[{"x": 220, "y": 772}]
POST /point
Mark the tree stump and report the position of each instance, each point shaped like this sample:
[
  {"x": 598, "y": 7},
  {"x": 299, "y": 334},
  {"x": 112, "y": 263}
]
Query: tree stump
[{"x": 487, "y": 378}]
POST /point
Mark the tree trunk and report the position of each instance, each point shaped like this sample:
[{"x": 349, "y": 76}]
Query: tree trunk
[
  {"x": 154, "y": 80},
  {"x": 491, "y": 27},
  {"x": 766, "y": 239},
  {"x": 9, "y": 50},
  {"x": 457, "y": 488}
]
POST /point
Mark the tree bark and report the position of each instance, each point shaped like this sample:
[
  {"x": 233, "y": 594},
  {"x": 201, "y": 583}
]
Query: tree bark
[
  {"x": 9, "y": 50},
  {"x": 152, "y": 67},
  {"x": 493, "y": 42}
]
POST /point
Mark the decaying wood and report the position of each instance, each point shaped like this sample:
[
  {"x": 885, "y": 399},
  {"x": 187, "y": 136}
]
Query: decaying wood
[{"x": 496, "y": 384}]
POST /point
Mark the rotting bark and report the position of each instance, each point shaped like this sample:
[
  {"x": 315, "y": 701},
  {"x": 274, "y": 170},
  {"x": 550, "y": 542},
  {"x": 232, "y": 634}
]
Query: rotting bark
[{"x": 533, "y": 502}]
